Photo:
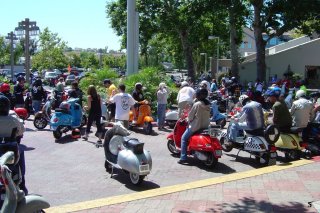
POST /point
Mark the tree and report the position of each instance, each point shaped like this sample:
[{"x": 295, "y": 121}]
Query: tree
[
  {"x": 5, "y": 52},
  {"x": 51, "y": 54},
  {"x": 89, "y": 59},
  {"x": 275, "y": 17}
]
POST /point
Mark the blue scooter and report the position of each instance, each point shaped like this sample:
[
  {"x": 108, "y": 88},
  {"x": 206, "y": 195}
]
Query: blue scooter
[
  {"x": 216, "y": 116},
  {"x": 64, "y": 120}
]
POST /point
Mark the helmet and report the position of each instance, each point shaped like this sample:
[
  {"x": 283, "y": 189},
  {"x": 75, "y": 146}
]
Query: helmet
[
  {"x": 274, "y": 91},
  {"x": 65, "y": 106},
  {"x": 233, "y": 78},
  {"x": 38, "y": 82},
  {"x": 20, "y": 78},
  {"x": 184, "y": 83},
  {"x": 138, "y": 86},
  {"x": 300, "y": 93},
  {"x": 4, "y": 105},
  {"x": 201, "y": 94},
  {"x": 5, "y": 87},
  {"x": 243, "y": 99}
]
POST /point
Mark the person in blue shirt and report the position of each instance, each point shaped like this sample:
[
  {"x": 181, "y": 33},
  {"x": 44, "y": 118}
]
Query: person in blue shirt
[{"x": 250, "y": 118}]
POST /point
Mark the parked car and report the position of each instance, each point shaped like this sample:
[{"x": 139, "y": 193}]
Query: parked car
[
  {"x": 50, "y": 75},
  {"x": 70, "y": 78}
]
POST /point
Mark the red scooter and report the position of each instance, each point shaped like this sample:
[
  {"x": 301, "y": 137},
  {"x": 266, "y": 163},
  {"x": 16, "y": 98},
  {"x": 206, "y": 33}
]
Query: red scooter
[{"x": 203, "y": 145}]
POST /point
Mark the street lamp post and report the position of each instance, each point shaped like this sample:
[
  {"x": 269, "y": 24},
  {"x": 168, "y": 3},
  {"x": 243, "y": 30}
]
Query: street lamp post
[
  {"x": 26, "y": 28},
  {"x": 218, "y": 43},
  {"x": 11, "y": 36},
  {"x": 205, "y": 61},
  {"x": 210, "y": 62}
]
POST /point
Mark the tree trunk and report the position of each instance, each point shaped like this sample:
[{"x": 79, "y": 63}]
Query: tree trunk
[
  {"x": 187, "y": 49},
  {"x": 260, "y": 43},
  {"x": 233, "y": 44}
]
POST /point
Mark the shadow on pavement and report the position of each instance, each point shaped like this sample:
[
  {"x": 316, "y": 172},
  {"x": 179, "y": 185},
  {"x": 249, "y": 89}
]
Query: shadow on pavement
[
  {"x": 125, "y": 179},
  {"x": 139, "y": 130},
  {"x": 250, "y": 161},
  {"x": 223, "y": 169},
  {"x": 25, "y": 148},
  {"x": 30, "y": 130},
  {"x": 249, "y": 205},
  {"x": 65, "y": 139}
]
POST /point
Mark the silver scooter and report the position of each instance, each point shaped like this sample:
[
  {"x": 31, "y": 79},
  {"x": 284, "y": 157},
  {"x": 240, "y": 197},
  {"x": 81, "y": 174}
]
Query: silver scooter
[
  {"x": 15, "y": 199},
  {"x": 126, "y": 153}
]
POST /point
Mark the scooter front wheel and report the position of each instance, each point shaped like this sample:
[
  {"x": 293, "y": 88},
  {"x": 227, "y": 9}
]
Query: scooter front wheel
[
  {"x": 172, "y": 148},
  {"x": 147, "y": 127},
  {"x": 40, "y": 123},
  {"x": 227, "y": 147},
  {"x": 136, "y": 179},
  {"x": 57, "y": 134}
]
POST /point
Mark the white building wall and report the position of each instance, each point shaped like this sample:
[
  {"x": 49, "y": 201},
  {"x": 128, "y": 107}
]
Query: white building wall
[{"x": 297, "y": 57}]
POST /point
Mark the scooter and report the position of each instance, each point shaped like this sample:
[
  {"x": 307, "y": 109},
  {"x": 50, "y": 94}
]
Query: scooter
[
  {"x": 217, "y": 117},
  {"x": 292, "y": 145},
  {"x": 172, "y": 117},
  {"x": 42, "y": 118},
  {"x": 126, "y": 153},
  {"x": 311, "y": 136},
  {"x": 259, "y": 143},
  {"x": 62, "y": 120},
  {"x": 203, "y": 144},
  {"x": 12, "y": 198},
  {"x": 144, "y": 119}
]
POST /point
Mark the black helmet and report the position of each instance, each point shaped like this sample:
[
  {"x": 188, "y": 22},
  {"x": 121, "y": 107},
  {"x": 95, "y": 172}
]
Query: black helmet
[
  {"x": 138, "y": 86},
  {"x": 106, "y": 81},
  {"x": 4, "y": 105},
  {"x": 20, "y": 78},
  {"x": 201, "y": 94}
]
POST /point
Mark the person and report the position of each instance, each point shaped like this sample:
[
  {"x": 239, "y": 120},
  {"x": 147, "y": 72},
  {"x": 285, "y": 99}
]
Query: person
[
  {"x": 111, "y": 89},
  {"x": 60, "y": 85},
  {"x": 205, "y": 84},
  {"x": 138, "y": 96},
  {"x": 162, "y": 96},
  {"x": 77, "y": 92},
  {"x": 185, "y": 97},
  {"x": 123, "y": 102},
  {"x": 38, "y": 94},
  {"x": 19, "y": 92},
  {"x": 7, "y": 124},
  {"x": 198, "y": 118},
  {"x": 5, "y": 90},
  {"x": 250, "y": 117},
  {"x": 281, "y": 115},
  {"x": 214, "y": 85},
  {"x": 94, "y": 108},
  {"x": 302, "y": 111}
]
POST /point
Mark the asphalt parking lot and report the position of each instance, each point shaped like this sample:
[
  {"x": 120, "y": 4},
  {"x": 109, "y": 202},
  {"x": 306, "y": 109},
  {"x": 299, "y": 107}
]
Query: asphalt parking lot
[{"x": 70, "y": 171}]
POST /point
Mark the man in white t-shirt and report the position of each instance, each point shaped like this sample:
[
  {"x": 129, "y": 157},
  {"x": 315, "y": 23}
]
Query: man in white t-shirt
[
  {"x": 124, "y": 102},
  {"x": 185, "y": 97}
]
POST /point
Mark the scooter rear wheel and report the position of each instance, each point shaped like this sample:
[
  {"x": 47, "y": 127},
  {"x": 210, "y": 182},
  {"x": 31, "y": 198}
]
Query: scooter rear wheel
[
  {"x": 57, "y": 134},
  {"x": 212, "y": 161},
  {"x": 136, "y": 179},
  {"x": 40, "y": 123},
  {"x": 147, "y": 127}
]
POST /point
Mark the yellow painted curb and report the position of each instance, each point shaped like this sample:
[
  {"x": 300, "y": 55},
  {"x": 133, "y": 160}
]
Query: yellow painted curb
[{"x": 175, "y": 188}]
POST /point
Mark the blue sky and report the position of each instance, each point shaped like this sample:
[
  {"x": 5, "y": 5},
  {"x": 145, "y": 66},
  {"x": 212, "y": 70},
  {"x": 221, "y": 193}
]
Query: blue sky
[{"x": 81, "y": 23}]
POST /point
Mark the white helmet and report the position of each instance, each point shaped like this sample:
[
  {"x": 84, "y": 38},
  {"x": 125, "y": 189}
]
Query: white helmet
[
  {"x": 242, "y": 98},
  {"x": 184, "y": 83},
  {"x": 300, "y": 93}
]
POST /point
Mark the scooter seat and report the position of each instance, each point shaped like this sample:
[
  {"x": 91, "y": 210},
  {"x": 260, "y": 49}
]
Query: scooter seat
[
  {"x": 133, "y": 144},
  {"x": 295, "y": 130},
  {"x": 255, "y": 132},
  {"x": 62, "y": 111},
  {"x": 202, "y": 131}
]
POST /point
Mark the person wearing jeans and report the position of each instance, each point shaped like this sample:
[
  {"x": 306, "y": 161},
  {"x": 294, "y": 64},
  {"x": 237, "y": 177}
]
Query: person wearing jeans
[
  {"x": 162, "y": 96},
  {"x": 199, "y": 118}
]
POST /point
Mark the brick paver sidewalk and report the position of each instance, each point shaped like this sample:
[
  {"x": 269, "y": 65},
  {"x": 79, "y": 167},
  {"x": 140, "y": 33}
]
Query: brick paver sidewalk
[{"x": 289, "y": 190}]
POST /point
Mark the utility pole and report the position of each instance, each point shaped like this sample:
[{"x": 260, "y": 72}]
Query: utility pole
[
  {"x": 25, "y": 28},
  {"x": 11, "y": 36}
]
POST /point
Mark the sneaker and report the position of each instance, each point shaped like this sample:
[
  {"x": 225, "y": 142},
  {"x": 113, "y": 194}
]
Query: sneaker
[
  {"x": 182, "y": 161},
  {"x": 99, "y": 142}
]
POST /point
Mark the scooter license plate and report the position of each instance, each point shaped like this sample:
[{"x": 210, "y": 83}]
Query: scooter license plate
[
  {"x": 144, "y": 168},
  {"x": 273, "y": 154}
]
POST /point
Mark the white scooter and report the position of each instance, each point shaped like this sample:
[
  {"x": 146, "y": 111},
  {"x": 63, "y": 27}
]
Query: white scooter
[
  {"x": 172, "y": 117},
  {"x": 259, "y": 143},
  {"x": 126, "y": 153},
  {"x": 14, "y": 200}
]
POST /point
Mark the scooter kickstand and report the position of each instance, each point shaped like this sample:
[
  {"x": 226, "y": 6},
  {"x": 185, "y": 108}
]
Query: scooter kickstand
[
  {"x": 111, "y": 171},
  {"x": 238, "y": 154}
]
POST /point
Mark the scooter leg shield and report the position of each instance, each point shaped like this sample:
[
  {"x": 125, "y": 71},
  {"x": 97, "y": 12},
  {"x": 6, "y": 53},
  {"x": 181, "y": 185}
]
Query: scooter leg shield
[
  {"x": 130, "y": 162},
  {"x": 32, "y": 203},
  {"x": 287, "y": 141}
]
